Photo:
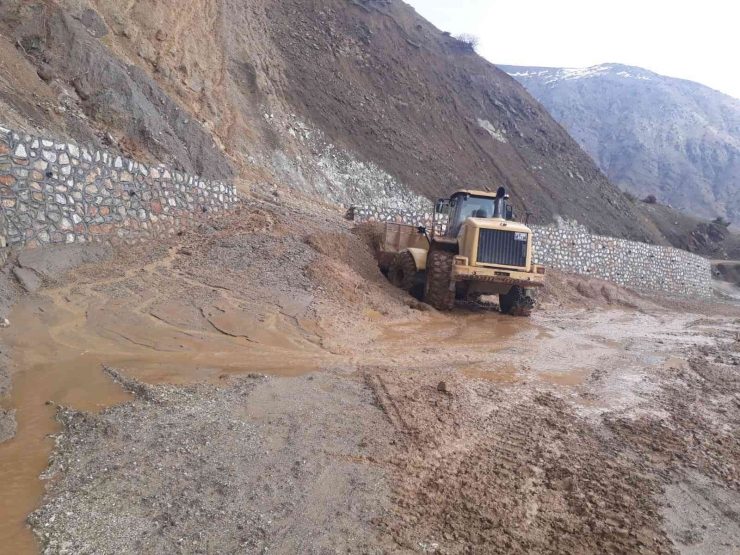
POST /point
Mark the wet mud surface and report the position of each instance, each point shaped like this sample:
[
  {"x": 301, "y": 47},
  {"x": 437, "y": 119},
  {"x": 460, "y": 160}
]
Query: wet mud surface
[{"x": 258, "y": 386}]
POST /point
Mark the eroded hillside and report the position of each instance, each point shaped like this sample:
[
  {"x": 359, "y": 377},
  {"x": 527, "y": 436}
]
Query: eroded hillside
[{"x": 356, "y": 101}]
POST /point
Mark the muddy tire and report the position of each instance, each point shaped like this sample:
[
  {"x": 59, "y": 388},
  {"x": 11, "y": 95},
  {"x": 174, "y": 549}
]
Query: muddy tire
[
  {"x": 518, "y": 301},
  {"x": 437, "y": 291},
  {"x": 403, "y": 274}
]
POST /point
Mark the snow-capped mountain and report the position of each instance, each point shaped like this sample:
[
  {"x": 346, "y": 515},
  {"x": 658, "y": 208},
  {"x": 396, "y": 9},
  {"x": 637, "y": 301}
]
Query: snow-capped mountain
[
  {"x": 650, "y": 134},
  {"x": 554, "y": 75}
]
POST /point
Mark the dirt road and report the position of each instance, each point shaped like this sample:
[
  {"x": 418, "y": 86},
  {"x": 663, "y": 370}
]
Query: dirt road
[{"x": 240, "y": 391}]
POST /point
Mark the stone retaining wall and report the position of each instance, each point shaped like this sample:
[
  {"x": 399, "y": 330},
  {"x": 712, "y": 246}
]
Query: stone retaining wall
[
  {"x": 382, "y": 214},
  {"x": 60, "y": 192},
  {"x": 570, "y": 247}
]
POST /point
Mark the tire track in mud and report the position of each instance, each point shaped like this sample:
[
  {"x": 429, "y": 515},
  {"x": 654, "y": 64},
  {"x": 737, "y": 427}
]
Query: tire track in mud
[{"x": 509, "y": 470}]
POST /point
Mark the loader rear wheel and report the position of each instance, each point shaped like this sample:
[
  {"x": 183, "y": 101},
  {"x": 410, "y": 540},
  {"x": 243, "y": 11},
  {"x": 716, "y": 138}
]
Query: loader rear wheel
[
  {"x": 439, "y": 270},
  {"x": 403, "y": 274},
  {"x": 518, "y": 301}
]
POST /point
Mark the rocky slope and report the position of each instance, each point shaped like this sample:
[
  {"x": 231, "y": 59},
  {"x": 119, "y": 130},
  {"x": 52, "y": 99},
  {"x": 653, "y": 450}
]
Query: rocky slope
[
  {"x": 697, "y": 235},
  {"x": 650, "y": 134},
  {"x": 357, "y": 101}
]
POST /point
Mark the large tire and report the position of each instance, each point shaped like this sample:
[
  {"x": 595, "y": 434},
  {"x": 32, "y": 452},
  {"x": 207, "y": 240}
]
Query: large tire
[
  {"x": 403, "y": 274},
  {"x": 439, "y": 270},
  {"x": 518, "y": 301}
]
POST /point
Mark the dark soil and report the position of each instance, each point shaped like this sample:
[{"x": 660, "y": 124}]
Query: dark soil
[{"x": 727, "y": 271}]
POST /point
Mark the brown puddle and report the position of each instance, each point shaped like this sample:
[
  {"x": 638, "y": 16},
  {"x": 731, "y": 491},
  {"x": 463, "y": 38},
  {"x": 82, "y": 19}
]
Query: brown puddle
[
  {"x": 489, "y": 329},
  {"x": 571, "y": 378},
  {"x": 60, "y": 343},
  {"x": 372, "y": 314},
  {"x": 675, "y": 363},
  {"x": 498, "y": 374}
]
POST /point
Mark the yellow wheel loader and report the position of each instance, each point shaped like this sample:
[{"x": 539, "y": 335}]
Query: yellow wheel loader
[{"x": 474, "y": 248}]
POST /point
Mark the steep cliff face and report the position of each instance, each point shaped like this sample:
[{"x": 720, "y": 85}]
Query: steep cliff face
[
  {"x": 352, "y": 100},
  {"x": 650, "y": 134}
]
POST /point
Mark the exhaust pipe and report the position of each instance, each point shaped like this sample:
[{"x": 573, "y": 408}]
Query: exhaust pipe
[{"x": 499, "y": 204}]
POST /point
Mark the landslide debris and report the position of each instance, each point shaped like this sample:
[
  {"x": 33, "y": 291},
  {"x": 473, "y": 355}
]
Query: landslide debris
[
  {"x": 702, "y": 401},
  {"x": 254, "y": 465},
  {"x": 417, "y": 431},
  {"x": 385, "y": 82}
]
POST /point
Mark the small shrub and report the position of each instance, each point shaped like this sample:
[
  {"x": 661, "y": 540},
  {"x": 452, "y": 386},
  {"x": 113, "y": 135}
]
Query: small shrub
[
  {"x": 468, "y": 41},
  {"x": 650, "y": 199},
  {"x": 720, "y": 221},
  {"x": 32, "y": 44},
  {"x": 630, "y": 197}
]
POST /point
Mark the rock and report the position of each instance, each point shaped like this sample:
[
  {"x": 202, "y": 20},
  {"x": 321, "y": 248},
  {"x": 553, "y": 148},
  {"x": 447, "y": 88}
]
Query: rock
[
  {"x": 7, "y": 425},
  {"x": 146, "y": 51},
  {"x": 417, "y": 305},
  {"x": 442, "y": 387},
  {"x": 28, "y": 279},
  {"x": 20, "y": 152},
  {"x": 4, "y": 323},
  {"x": 93, "y": 23},
  {"x": 662, "y": 107},
  {"x": 45, "y": 73}
]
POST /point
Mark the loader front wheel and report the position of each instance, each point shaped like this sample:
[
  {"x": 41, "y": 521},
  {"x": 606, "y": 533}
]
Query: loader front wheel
[
  {"x": 518, "y": 301},
  {"x": 439, "y": 270},
  {"x": 403, "y": 274}
]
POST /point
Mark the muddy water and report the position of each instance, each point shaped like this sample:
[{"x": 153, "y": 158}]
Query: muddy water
[
  {"x": 43, "y": 370},
  {"x": 570, "y": 378},
  {"x": 61, "y": 341},
  {"x": 59, "y": 344},
  {"x": 503, "y": 373},
  {"x": 487, "y": 329}
]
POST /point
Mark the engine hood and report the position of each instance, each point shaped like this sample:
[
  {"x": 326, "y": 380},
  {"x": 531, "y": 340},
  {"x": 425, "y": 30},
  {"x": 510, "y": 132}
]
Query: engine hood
[{"x": 489, "y": 223}]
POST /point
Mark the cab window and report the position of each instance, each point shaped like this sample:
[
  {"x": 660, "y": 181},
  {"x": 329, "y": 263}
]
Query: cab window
[{"x": 470, "y": 207}]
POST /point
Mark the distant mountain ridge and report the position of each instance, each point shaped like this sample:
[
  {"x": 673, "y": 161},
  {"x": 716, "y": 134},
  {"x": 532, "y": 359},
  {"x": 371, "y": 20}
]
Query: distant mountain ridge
[{"x": 649, "y": 134}]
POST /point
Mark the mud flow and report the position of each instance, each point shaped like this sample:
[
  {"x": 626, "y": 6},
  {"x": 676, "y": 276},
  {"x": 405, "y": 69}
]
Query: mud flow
[
  {"x": 278, "y": 385},
  {"x": 63, "y": 339}
]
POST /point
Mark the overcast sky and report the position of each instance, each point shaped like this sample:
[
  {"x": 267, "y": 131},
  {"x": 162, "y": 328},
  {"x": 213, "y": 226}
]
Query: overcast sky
[{"x": 692, "y": 39}]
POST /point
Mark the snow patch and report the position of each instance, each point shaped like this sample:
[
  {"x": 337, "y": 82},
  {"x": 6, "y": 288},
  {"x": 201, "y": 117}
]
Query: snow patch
[{"x": 555, "y": 75}]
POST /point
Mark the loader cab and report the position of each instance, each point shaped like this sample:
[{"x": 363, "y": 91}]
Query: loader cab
[{"x": 472, "y": 204}]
